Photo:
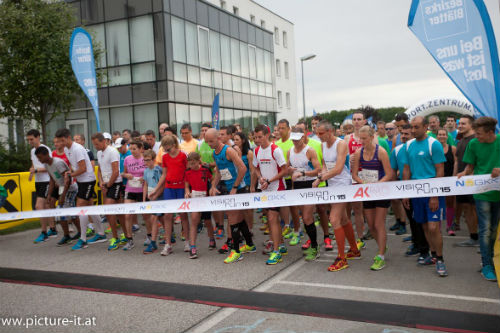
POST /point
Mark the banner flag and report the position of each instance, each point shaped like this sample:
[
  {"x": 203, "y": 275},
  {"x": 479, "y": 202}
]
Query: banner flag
[
  {"x": 81, "y": 55},
  {"x": 215, "y": 112},
  {"x": 459, "y": 36}
]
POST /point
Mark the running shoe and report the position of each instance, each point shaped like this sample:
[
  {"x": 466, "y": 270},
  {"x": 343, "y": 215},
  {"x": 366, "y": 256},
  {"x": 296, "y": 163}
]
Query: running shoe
[
  {"x": 129, "y": 246},
  {"x": 108, "y": 230},
  {"x": 353, "y": 255},
  {"x": 488, "y": 272},
  {"x": 166, "y": 250},
  {"x": 147, "y": 241},
  {"x": 152, "y": 248},
  {"x": 468, "y": 243},
  {"x": 401, "y": 230},
  {"x": 451, "y": 232},
  {"x": 338, "y": 264},
  {"x": 183, "y": 238},
  {"x": 407, "y": 239},
  {"x": 263, "y": 227},
  {"x": 311, "y": 254},
  {"x": 113, "y": 244},
  {"x": 123, "y": 239},
  {"x": 306, "y": 245},
  {"x": 64, "y": 240},
  {"x": 193, "y": 253},
  {"x": 274, "y": 258},
  {"x": 233, "y": 257},
  {"x": 367, "y": 235},
  {"x": 259, "y": 210},
  {"x": 177, "y": 219},
  {"x": 90, "y": 232},
  {"x": 456, "y": 226},
  {"x": 79, "y": 245},
  {"x": 219, "y": 233},
  {"x": 268, "y": 248},
  {"x": 395, "y": 226},
  {"x": 441, "y": 268},
  {"x": 283, "y": 250},
  {"x": 361, "y": 244},
  {"x": 286, "y": 230},
  {"x": 412, "y": 251},
  {"x": 426, "y": 261},
  {"x": 211, "y": 244},
  {"x": 295, "y": 239},
  {"x": 267, "y": 231},
  {"x": 378, "y": 263},
  {"x": 172, "y": 238},
  {"x": 76, "y": 236},
  {"x": 52, "y": 233},
  {"x": 248, "y": 249},
  {"x": 226, "y": 247},
  {"x": 97, "y": 239},
  {"x": 41, "y": 238},
  {"x": 135, "y": 227},
  {"x": 317, "y": 223},
  {"x": 328, "y": 244},
  {"x": 186, "y": 247}
]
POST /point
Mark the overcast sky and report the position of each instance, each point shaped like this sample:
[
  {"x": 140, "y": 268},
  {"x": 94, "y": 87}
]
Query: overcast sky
[{"x": 365, "y": 54}]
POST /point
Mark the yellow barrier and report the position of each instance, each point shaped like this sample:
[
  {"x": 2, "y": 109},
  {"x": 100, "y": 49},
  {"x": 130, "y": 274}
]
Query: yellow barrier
[
  {"x": 22, "y": 196},
  {"x": 496, "y": 256}
]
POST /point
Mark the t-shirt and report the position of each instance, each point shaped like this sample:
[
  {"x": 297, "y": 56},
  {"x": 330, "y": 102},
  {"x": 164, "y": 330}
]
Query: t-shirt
[
  {"x": 56, "y": 170},
  {"x": 105, "y": 158},
  {"x": 61, "y": 156},
  {"x": 422, "y": 156},
  {"x": 383, "y": 143},
  {"x": 90, "y": 153},
  {"x": 285, "y": 146},
  {"x": 176, "y": 168},
  {"x": 159, "y": 156},
  {"x": 122, "y": 159},
  {"x": 189, "y": 146},
  {"x": 270, "y": 160},
  {"x": 152, "y": 176},
  {"x": 199, "y": 179},
  {"x": 206, "y": 153},
  {"x": 135, "y": 166},
  {"x": 485, "y": 157},
  {"x": 397, "y": 160},
  {"x": 316, "y": 145},
  {"x": 449, "y": 141},
  {"x": 461, "y": 147},
  {"x": 39, "y": 176},
  {"x": 75, "y": 154},
  {"x": 454, "y": 135}
]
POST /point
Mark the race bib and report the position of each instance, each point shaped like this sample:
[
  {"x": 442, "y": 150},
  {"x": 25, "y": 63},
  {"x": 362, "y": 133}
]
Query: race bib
[
  {"x": 198, "y": 194},
  {"x": 225, "y": 174},
  {"x": 368, "y": 176},
  {"x": 150, "y": 190},
  {"x": 135, "y": 182},
  {"x": 106, "y": 176},
  {"x": 330, "y": 165},
  {"x": 61, "y": 190}
]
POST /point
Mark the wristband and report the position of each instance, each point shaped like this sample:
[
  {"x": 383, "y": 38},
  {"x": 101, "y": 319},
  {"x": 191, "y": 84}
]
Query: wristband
[
  {"x": 303, "y": 173},
  {"x": 235, "y": 187},
  {"x": 268, "y": 182}
]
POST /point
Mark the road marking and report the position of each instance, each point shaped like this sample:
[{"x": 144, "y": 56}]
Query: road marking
[{"x": 391, "y": 291}]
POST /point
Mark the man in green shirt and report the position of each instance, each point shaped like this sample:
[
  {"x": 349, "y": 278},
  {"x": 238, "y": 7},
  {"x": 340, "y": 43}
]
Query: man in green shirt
[
  {"x": 483, "y": 157},
  {"x": 434, "y": 126}
]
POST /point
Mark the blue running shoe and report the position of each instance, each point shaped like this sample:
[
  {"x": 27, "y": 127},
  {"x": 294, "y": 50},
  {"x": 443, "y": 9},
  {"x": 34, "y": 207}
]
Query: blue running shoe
[
  {"x": 151, "y": 248},
  {"x": 97, "y": 239},
  {"x": 52, "y": 233},
  {"x": 441, "y": 268},
  {"x": 113, "y": 244},
  {"x": 426, "y": 261},
  {"x": 407, "y": 239},
  {"x": 283, "y": 250},
  {"x": 412, "y": 251},
  {"x": 274, "y": 258},
  {"x": 80, "y": 245},
  {"x": 135, "y": 227},
  {"x": 488, "y": 272},
  {"x": 41, "y": 238}
]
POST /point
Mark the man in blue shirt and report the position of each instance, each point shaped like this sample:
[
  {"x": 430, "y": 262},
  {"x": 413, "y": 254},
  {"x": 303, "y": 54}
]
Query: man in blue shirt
[{"x": 424, "y": 158}]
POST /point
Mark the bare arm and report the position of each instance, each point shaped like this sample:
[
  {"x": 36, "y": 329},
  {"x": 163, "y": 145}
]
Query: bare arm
[
  {"x": 455, "y": 165},
  {"x": 253, "y": 176},
  {"x": 82, "y": 168},
  {"x": 386, "y": 163},
  {"x": 339, "y": 164},
  {"x": 234, "y": 157},
  {"x": 355, "y": 167}
]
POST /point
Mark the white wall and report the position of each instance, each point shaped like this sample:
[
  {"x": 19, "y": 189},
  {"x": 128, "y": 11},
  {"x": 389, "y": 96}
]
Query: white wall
[{"x": 246, "y": 8}]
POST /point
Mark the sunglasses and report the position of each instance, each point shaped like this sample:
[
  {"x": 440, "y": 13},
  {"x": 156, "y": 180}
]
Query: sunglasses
[{"x": 389, "y": 128}]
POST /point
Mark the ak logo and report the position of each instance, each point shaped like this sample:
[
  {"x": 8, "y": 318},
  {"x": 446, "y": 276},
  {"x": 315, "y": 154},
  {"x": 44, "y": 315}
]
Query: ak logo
[
  {"x": 184, "y": 206},
  {"x": 362, "y": 193},
  {"x": 82, "y": 212}
]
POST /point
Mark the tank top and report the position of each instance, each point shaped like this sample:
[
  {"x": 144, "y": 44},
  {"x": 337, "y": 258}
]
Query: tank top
[
  {"x": 372, "y": 170},
  {"x": 301, "y": 163},
  {"x": 330, "y": 158},
  {"x": 247, "y": 178},
  {"x": 354, "y": 145},
  {"x": 226, "y": 168},
  {"x": 450, "y": 162}
]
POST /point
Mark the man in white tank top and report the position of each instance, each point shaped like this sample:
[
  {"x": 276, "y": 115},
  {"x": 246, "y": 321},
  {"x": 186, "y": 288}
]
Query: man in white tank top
[{"x": 336, "y": 173}]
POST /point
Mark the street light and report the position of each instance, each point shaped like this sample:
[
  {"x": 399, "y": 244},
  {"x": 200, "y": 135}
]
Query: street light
[{"x": 302, "y": 59}]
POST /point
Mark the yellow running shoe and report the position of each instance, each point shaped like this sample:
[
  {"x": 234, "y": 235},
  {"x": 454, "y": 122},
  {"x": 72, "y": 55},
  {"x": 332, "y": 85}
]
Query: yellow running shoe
[{"x": 233, "y": 257}]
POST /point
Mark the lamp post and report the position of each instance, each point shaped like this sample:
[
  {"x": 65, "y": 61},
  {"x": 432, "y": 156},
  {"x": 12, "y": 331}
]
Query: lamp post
[{"x": 302, "y": 59}]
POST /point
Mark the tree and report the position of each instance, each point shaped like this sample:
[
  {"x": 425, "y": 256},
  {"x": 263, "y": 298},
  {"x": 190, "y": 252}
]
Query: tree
[{"x": 36, "y": 79}]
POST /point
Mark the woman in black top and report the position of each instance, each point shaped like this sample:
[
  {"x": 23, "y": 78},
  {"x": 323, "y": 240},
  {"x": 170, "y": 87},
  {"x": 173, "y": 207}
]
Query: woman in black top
[{"x": 450, "y": 169}]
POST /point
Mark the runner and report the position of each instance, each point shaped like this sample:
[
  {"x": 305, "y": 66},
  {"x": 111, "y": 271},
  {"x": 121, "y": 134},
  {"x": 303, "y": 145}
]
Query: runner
[
  {"x": 424, "y": 158},
  {"x": 42, "y": 180},
  {"x": 371, "y": 165},
  {"x": 450, "y": 167},
  {"x": 270, "y": 169},
  {"x": 303, "y": 166},
  {"x": 151, "y": 140},
  {"x": 241, "y": 141},
  {"x": 85, "y": 179},
  {"x": 188, "y": 144},
  {"x": 335, "y": 171},
  {"x": 66, "y": 190},
  {"x": 451, "y": 127},
  {"x": 231, "y": 171},
  {"x": 110, "y": 182},
  {"x": 434, "y": 126}
]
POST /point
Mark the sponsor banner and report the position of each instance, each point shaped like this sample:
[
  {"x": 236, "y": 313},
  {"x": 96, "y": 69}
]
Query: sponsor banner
[{"x": 324, "y": 195}]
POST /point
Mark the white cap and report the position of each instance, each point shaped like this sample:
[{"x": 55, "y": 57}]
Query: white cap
[
  {"x": 296, "y": 135},
  {"x": 119, "y": 142},
  {"x": 107, "y": 135}
]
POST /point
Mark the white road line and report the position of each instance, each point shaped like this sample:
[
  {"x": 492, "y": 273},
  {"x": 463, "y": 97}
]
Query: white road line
[
  {"x": 222, "y": 314},
  {"x": 391, "y": 291}
]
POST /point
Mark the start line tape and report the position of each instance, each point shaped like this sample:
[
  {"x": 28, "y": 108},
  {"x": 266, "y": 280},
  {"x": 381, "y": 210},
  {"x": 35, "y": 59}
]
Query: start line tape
[{"x": 447, "y": 186}]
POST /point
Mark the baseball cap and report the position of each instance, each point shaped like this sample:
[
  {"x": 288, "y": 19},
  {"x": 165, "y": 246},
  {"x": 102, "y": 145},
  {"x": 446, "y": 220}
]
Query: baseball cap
[
  {"x": 120, "y": 142},
  {"x": 107, "y": 135},
  {"x": 296, "y": 135}
]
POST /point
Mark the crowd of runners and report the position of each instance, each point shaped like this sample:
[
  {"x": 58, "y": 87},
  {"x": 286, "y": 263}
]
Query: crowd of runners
[{"x": 135, "y": 167}]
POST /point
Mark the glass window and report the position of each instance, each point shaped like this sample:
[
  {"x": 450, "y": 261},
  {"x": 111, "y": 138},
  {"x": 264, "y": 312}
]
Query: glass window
[
  {"x": 145, "y": 117},
  {"x": 92, "y": 11},
  {"x": 143, "y": 72},
  {"x": 262, "y": 89},
  {"x": 252, "y": 61},
  {"x": 193, "y": 75},
  {"x": 244, "y": 59},
  {"x": 285, "y": 64},
  {"x": 263, "y": 118},
  {"x": 269, "y": 90},
  {"x": 180, "y": 72},
  {"x": 254, "y": 88},
  {"x": 268, "y": 67},
  {"x": 115, "y": 9},
  {"x": 103, "y": 121},
  {"x": 206, "y": 77},
  {"x": 119, "y": 76},
  {"x": 227, "y": 82},
  {"x": 225, "y": 46},
  {"x": 99, "y": 39},
  {"x": 222, "y": 4},
  {"x": 191, "y": 44},
  {"x": 276, "y": 36},
  {"x": 255, "y": 119},
  {"x": 206, "y": 95},
  {"x": 203, "y": 47},
  {"x": 117, "y": 40},
  {"x": 217, "y": 80},
  {"x": 280, "y": 99},
  {"x": 237, "y": 83},
  {"x": 246, "y": 122},
  {"x": 227, "y": 117},
  {"x": 195, "y": 118},
  {"x": 262, "y": 24},
  {"x": 215, "y": 50},
  {"x": 238, "y": 116},
  {"x": 287, "y": 100},
  {"x": 236, "y": 11},
  {"x": 245, "y": 86},
  {"x": 235, "y": 57},
  {"x": 285, "y": 39},
  {"x": 122, "y": 118},
  {"x": 252, "y": 18},
  {"x": 260, "y": 65},
  {"x": 182, "y": 116},
  {"x": 227, "y": 98},
  {"x": 278, "y": 67},
  {"x": 178, "y": 39},
  {"x": 194, "y": 94},
  {"x": 142, "y": 38},
  {"x": 181, "y": 92},
  {"x": 206, "y": 115}
]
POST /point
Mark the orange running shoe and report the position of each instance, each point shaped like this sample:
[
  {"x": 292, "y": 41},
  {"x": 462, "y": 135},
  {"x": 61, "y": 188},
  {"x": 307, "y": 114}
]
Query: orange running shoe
[
  {"x": 353, "y": 255},
  {"x": 338, "y": 264}
]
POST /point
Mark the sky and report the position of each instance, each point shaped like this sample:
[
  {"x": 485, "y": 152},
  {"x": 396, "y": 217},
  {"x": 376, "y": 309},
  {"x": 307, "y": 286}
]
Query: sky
[{"x": 366, "y": 55}]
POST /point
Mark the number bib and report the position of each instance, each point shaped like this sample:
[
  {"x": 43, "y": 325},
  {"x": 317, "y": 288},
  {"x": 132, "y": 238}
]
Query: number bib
[
  {"x": 135, "y": 182},
  {"x": 368, "y": 176},
  {"x": 225, "y": 174}
]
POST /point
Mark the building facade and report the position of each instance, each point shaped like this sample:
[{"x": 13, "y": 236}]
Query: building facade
[{"x": 165, "y": 60}]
